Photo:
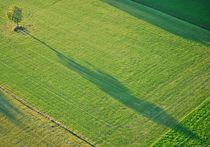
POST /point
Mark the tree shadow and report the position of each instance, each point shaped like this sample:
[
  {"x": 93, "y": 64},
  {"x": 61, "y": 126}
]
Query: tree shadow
[
  {"x": 121, "y": 93},
  {"x": 21, "y": 30},
  {"x": 184, "y": 10},
  {"x": 55, "y": 2},
  {"x": 8, "y": 110},
  {"x": 162, "y": 20}
]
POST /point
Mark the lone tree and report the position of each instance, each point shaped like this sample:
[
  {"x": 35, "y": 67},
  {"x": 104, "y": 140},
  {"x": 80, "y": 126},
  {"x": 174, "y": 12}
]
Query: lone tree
[{"x": 15, "y": 15}]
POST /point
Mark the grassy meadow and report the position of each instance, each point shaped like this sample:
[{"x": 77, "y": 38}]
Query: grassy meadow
[
  {"x": 198, "y": 121},
  {"x": 196, "y": 11},
  {"x": 180, "y": 27},
  {"x": 112, "y": 77},
  {"x": 21, "y": 126}
]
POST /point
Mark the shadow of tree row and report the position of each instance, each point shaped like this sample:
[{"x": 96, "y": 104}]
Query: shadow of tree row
[
  {"x": 162, "y": 20},
  {"x": 8, "y": 110},
  {"x": 115, "y": 89}
]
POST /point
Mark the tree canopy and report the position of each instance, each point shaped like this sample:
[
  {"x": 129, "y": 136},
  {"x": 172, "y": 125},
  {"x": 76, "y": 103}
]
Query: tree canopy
[{"x": 15, "y": 14}]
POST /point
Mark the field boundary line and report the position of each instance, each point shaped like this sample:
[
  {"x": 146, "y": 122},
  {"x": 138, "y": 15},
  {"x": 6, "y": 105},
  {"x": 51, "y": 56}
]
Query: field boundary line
[
  {"x": 191, "y": 112},
  {"x": 147, "y": 5},
  {"x": 59, "y": 96},
  {"x": 44, "y": 115},
  {"x": 171, "y": 15}
]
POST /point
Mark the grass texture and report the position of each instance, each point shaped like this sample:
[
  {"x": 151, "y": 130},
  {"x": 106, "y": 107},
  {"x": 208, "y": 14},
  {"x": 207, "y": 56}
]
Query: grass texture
[
  {"x": 21, "y": 126},
  {"x": 196, "y": 12},
  {"x": 117, "y": 79},
  {"x": 161, "y": 19},
  {"x": 199, "y": 122}
]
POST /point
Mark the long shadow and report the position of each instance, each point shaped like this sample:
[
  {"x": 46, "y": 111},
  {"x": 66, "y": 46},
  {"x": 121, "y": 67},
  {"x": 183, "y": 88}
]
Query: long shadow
[
  {"x": 184, "y": 10},
  {"x": 119, "y": 92},
  {"x": 55, "y": 2},
  {"x": 8, "y": 110},
  {"x": 162, "y": 20}
]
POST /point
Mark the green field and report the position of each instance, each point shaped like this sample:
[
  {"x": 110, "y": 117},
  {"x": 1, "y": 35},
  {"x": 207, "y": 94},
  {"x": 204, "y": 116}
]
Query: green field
[
  {"x": 199, "y": 122},
  {"x": 113, "y": 78},
  {"x": 164, "y": 20},
  {"x": 196, "y": 11},
  {"x": 21, "y": 126}
]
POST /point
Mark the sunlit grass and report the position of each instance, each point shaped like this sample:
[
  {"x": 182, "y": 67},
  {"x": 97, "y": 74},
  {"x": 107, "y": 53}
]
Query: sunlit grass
[{"x": 119, "y": 63}]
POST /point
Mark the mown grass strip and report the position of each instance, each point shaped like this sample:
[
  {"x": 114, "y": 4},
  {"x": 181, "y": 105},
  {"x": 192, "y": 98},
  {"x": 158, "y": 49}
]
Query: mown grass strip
[
  {"x": 198, "y": 121},
  {"x": 146, "y": 59},
  {"x": 196, "y": 12},
  {"x": 163, "y": 20},
  {"x": 24, "y": 119}
]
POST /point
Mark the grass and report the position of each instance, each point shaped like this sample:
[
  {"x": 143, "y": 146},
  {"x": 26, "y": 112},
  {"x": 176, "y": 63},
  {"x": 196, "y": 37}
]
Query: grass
[
  {"x": 196, "y": 12},
  {"x": 198, "y": 121},
  {"x": 163, "y": 20},
  {"x": 114, "y": 78},
  {"x": 21, "y": 126}
]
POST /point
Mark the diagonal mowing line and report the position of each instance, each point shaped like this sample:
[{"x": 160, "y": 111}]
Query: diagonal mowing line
[
  {"x": 185, "y": 117},
  {"x": 64, "y": 100},
  {"x": 44, "y": 115},
  {"x": 185, "y": 20},
  {"x": 162, "y": 20},
  {"x": 99, "y": 120},
  {"x": 55, "y": 2},
  {"x": 55, "y": 63}
]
